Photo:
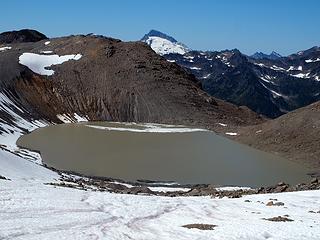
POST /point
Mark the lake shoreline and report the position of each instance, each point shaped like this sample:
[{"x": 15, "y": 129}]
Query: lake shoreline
[{"x": 103, "y": 184}]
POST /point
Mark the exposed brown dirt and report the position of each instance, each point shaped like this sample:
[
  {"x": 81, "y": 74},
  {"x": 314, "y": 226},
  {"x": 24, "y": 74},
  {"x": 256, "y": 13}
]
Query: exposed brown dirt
[
  {"x": 200, "y": 226},
  {"x": 294, "y": 136},
  {"x": 279, "y": 219}
]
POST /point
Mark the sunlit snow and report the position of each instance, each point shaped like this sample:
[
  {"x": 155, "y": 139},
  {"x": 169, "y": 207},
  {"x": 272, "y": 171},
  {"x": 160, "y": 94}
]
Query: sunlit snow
[
  {"x": 149, "y": 128},
  {"x": 231, "y": 133},
  {"x": 163, "y": 46},
  {"x": 5, "y": 48},
  {"x": 310, "y": 60},
  {"x": 46, "y": 52},
  {"x": 38, "y": 63}
]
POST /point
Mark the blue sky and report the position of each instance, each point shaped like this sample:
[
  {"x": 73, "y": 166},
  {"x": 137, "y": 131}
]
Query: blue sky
[{"x": 285, "y": 26}]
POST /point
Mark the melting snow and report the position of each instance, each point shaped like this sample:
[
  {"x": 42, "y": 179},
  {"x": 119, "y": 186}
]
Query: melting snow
[
  {"x": 188, "y": 57},
  {"x": 263, "y": 78},
  {"x": 33, "y": 210},
  {"x": 260, "y": 64},
  {"x": 5, "y": 48},
  {"x": 302, "y": 75},
  {"x": 46, "y": 52},
  {"x": 222, "y": 124},
  {"x": 151, "y": 129},
  {"x": 231, "y": 133},
  {"x": 18, "y": 126},
  {"x": 66, "y": 118},
  {"x": 310, "y": 60},
  {"x": 206, "y": 76},
  {"x": 232, "y": 188},
  {"x": 47, "y": 43},
  {"x": 195, "y": 68},
  {"x": 276, "y": 68},
  {"x": 38, "y": 63},
  {"x": 172, "y": 61},
  {"x": 274, "y": 93},
  {"x": 169, "y": 189}
]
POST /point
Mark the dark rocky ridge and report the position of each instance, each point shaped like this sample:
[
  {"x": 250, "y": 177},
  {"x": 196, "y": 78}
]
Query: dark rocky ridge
[
  {"x": 270, "y": 85},
  {"x": 24, "y": 35},
  {"x": 264, "y": 85},
  {"x": 114, "y": 81}
]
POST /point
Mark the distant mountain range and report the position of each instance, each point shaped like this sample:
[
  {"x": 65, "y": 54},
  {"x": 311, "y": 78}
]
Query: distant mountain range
[
  {"x": 270, "y": 85},
  {"x": 272, "y": 56}
]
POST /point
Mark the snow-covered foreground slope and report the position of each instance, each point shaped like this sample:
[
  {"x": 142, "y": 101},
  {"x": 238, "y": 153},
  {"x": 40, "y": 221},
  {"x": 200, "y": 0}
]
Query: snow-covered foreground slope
[
  {"x": 17, "y": 168},
  {"x": 31, "y": 210}
]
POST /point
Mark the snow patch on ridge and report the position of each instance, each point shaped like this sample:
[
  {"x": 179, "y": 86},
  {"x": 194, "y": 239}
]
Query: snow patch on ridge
[
  {"x": 5, "y": 48},
  {"x": 231, "y": 133},
  {"x": 195, "y": 68},
  {"x": 38, "y": 63},
  {"x": 310, "y": 60},
  {"x": 46, "y": 52}
]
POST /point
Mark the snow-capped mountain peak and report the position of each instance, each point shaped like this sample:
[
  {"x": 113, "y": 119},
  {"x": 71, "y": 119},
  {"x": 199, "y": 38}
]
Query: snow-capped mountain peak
[{"x": 164, "y": 44}]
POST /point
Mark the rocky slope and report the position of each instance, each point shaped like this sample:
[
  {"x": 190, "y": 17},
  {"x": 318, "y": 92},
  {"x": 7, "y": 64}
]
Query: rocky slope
[
  {"x": 104, "y": 79},
  {"x": 268, "y": 84},
  {"x": 294, "y": 135}
]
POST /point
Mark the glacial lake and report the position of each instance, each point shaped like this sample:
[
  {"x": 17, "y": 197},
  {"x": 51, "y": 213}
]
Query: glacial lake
[{"x": 159, "y": 153}]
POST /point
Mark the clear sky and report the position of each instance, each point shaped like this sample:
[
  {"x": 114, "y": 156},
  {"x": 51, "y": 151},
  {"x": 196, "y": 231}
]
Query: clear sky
[{"x": 285, "y": 26}]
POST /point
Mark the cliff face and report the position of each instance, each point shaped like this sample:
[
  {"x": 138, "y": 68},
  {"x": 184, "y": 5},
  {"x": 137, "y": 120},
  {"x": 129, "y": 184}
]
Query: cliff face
[{"x": 112, "y": 80}]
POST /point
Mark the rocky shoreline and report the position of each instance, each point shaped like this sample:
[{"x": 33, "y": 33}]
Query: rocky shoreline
[{"x": 72, "y": 180}]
